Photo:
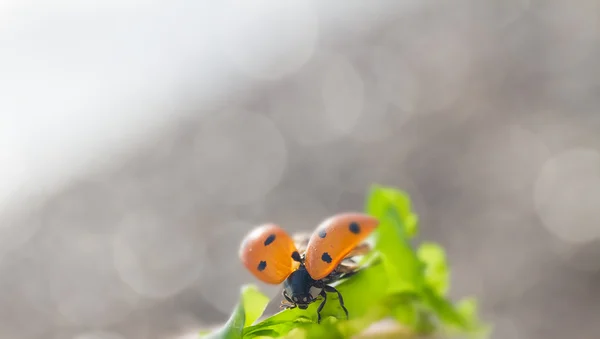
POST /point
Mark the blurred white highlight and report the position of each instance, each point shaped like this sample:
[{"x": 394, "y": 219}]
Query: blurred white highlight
[
  {"x": 76, "y": 79},
  {"x": 567, "y": 195},
  {"x": 269, "y": 39}
]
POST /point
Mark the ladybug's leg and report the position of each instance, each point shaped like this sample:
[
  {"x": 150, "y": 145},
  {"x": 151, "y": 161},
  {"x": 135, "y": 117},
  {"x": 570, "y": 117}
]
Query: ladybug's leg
[
  {"x": 284, "y": 305},
  {"x": 328, "y": 288},
  {"x": 288, "y": 302},
  {"x": 320, "y": 308}
]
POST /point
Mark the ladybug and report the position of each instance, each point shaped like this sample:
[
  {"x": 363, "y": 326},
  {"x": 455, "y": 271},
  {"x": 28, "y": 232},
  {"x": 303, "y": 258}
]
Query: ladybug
[{"x": 308, "y": 263}]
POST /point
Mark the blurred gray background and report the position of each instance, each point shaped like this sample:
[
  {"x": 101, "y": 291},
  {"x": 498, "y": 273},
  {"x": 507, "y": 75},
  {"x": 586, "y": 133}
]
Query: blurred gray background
[{"x": 139, "y": 142}]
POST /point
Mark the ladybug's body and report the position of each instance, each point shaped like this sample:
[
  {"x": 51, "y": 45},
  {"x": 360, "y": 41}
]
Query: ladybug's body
[
  {"x": 307, "y": 267},
  {"x": 300, "y": 288}
]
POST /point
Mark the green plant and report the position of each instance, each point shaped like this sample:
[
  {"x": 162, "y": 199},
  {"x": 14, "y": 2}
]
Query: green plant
[{"x": 397, "y": 281}]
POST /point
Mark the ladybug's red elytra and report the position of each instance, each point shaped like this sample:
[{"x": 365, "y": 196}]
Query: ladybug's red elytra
[{"x": 308, "y": 263}]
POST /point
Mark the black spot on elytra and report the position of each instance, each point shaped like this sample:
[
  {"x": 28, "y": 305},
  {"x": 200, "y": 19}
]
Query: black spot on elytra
[
  {"x": 354, "y": 228},
  {"x": 269, "y": 239},
  {"x": 296, "y": 256},
  {"x": 326, "y": 258},
  {"x": 262, "y": 265},
  {"x": 322, "y": 234}
]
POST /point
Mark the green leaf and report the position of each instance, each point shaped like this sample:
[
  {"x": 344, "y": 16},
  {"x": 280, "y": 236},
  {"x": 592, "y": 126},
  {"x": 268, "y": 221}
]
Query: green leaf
[
  {"x": 384, "y": 202},
  {"x": 437, "y": 273},
  {"x": 248, "y": 310},
  {"x": 397, "y": 225},
  {"x": 254, "y": 303}
]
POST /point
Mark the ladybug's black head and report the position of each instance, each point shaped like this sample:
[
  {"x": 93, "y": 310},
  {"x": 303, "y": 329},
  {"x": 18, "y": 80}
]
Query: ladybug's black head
[{"x": 301, "y": 288}]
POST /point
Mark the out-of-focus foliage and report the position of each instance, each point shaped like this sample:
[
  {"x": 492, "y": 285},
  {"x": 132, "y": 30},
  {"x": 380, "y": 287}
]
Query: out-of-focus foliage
[{"x": 397, "y": 281}]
